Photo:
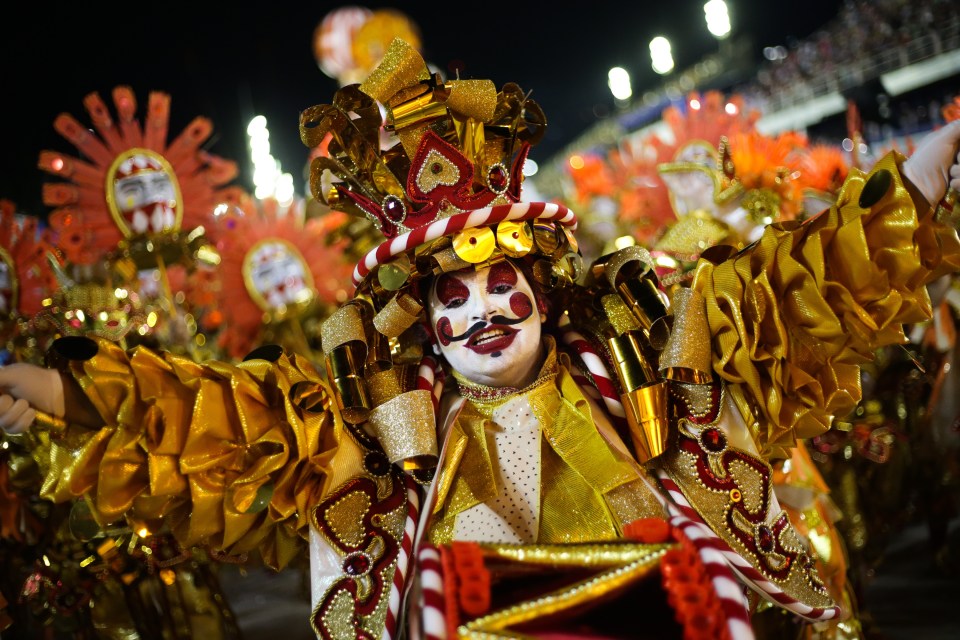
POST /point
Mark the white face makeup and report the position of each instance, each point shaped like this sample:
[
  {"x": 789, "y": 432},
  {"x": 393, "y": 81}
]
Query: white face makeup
[{"x": 487, "y": 325}]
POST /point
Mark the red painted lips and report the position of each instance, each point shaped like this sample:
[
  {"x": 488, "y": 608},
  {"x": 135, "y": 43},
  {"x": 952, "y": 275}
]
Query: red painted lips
[{"x": 493, "y": 338}]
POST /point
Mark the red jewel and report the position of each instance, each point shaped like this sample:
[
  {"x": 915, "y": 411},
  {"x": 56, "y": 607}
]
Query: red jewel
[
  {"x": 393, "y": 208},
  {"x": 473, "y": 240},
  {"x": 436, "y": 168},
  {"x": 497, "y": 178},
  {"x": 765, "y": 538},
  {"x": 356, "y": 564},
  {"x": 713, "y": 440}
]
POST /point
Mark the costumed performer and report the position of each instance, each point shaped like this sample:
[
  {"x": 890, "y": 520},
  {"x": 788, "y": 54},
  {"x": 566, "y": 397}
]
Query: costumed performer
[{"x": 541, "y": 447}]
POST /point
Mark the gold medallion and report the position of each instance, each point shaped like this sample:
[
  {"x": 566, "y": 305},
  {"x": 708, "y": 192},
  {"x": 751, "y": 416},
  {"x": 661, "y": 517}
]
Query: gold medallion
[
  {"x": 474, "y": 245},
  {"x": 514, "y": 238}
]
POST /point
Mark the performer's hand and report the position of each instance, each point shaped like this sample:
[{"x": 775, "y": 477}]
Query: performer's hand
[
  {"x": 24, "y": 389},
  {"x": 934, "y": 165}
]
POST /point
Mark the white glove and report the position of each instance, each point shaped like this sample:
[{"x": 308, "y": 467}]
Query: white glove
[
  {"x": 933, "y": 166},
  {"x": 26, "y": 389}
]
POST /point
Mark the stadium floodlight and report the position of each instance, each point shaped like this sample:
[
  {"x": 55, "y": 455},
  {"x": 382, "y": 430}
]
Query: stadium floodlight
[
  {"x": 718, "y": 18},
  {"x": 661, "y": 56},
  {"x": 619, "y": 82}
]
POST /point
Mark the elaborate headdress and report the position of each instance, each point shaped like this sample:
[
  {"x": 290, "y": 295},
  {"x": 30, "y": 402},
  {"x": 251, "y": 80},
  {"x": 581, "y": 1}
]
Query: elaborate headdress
[
  {"x": 132, "y": 183},
  {"x": 447, "y": 193},
  {"x": 740, "y": 167},
  {"x": 274, "y": 266}
]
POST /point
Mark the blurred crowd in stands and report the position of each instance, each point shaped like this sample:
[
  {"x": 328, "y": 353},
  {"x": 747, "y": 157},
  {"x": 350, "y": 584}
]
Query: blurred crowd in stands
[{"x": 866, "y": 39}]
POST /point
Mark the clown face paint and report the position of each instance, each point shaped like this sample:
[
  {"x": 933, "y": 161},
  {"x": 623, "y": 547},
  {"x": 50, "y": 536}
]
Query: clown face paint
[{"x": 487, "y": 325}]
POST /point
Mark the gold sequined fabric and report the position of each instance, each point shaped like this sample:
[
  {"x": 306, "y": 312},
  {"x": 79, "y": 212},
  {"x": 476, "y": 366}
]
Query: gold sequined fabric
[
  {"x": 197, "y": 447},
  {"x": 794, "y": 315}
]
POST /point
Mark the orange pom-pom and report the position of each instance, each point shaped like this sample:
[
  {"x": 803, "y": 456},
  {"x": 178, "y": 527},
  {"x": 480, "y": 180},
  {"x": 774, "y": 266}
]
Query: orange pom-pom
[{"x": 648, "y": 530}]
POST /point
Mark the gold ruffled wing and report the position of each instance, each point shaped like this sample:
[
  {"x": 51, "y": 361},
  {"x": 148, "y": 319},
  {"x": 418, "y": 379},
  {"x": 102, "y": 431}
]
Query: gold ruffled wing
[
  {"x": 228, "y": 456},
  {"x": 794, "y": 315}
]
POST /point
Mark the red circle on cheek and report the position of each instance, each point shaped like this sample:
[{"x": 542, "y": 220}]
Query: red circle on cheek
[
  {"x": 443, "y": 330},
  {"x": 520, "y": 305}
]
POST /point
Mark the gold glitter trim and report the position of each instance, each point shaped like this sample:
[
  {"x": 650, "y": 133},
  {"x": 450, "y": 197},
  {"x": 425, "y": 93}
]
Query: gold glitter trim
[
  {"x": 562, "y": 600},
  {"x": 714, "y": 505},
  {"x": 476, "y": 98},
  {"x": 385, "y": 385},
  {"x": 345, "y": 325},
  {"x": 698, "y": 398},
  {"x": 345, "y": 518},
  {"x": 398, "y": 315},
  {"x": 622, "y": 258},
  {"x": 437, "y": 170},
  {"x": 687, "y": 356},
  {"x": 589, "y": 555},
  {"x": 401, "y": 67}
]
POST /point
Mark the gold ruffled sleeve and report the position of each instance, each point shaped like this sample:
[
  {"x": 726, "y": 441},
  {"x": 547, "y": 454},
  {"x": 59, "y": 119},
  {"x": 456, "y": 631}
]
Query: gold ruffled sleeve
[
  {"x": 793, "y": 316},
  {"x": 221, "y": 454}
]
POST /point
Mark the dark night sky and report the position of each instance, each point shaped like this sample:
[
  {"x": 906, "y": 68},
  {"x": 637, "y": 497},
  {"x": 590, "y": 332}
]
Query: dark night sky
[{"x": 230, "y": 61}]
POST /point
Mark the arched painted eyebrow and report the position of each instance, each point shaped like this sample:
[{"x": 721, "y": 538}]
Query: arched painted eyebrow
[
  {"x": 450, "y": 287},
  {"x": 501, "y": 273}
]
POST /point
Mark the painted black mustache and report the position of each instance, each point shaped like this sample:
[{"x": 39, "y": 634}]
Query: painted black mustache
[{"x": 477, "y": 326}]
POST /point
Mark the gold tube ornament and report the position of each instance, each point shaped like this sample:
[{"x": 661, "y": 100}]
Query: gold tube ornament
[
  {"x": 345, "y": 372},
  {"x": 646, "y": 410}
]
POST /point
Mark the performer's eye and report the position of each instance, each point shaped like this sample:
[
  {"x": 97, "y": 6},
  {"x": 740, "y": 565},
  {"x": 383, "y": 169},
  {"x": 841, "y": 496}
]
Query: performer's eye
[
  {"x": 456, "y": 302},
  {"x": 501, "y": 288}
]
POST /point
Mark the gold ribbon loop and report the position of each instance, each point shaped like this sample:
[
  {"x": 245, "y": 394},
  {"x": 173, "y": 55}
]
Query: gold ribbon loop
[
  {"x": 401, "y": 67},
  {"x": 639, "y": 259},
  {"x": 398, "y": 315},
  {"x": 344, "y": 339},
  {"x": 345, "y": 325}
]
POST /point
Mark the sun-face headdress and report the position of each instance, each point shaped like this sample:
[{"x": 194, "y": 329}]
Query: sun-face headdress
[
  {"x": 726, "y": 180},
  {"x": 276, "y": 266},
  {"x": 131, "y": 183}
]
